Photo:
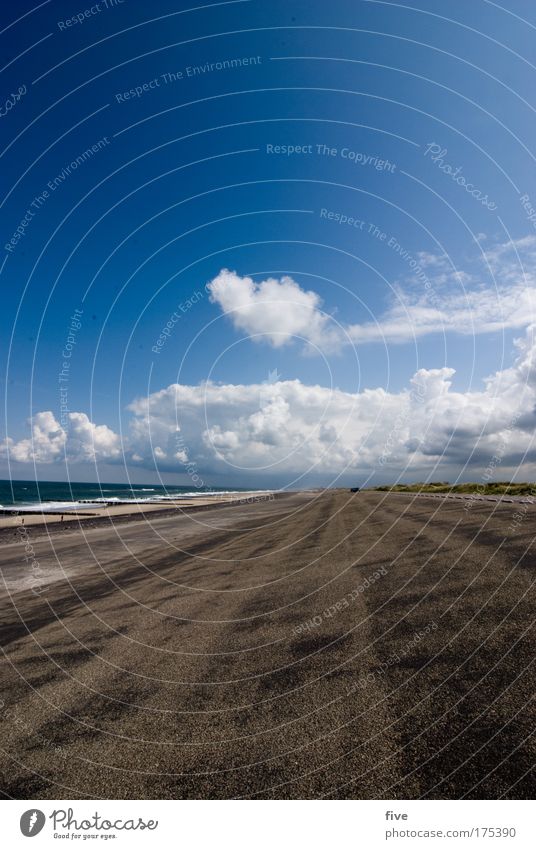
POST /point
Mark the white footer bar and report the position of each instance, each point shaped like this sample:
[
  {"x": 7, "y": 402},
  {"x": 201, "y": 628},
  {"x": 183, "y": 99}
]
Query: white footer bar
[{"x": 270, "y": 824}]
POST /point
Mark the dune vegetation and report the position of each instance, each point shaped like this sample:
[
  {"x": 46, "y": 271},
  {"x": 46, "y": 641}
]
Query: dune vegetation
[{"x": 491, "y": 488}]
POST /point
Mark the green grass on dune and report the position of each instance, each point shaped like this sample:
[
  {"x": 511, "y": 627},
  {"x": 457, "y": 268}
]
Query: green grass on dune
[{"x": 492, "y": 488}]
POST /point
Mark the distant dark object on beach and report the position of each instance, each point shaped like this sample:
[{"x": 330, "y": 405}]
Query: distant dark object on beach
[{"x": 354, "y": 489}]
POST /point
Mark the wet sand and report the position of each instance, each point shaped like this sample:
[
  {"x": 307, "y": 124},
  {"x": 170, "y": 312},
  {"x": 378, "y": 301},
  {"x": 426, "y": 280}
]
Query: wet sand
[{"x": 317, "y": 645}]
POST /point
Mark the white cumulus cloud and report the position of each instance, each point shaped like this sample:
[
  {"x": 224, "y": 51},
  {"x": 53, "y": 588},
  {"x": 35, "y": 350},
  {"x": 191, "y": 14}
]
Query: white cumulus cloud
[
  {"x": 273, "y": 310},
  {"x": 46, "y": 444},
  {"x": 49, "y": 441}
]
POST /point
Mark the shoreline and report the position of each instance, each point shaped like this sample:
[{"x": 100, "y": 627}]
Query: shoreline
[{"x": 54, "y": 522}]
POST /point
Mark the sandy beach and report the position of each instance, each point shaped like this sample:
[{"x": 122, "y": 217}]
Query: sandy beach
[
  {"x": 316, "y": 645},
  {"x": 16, "y": 519}
]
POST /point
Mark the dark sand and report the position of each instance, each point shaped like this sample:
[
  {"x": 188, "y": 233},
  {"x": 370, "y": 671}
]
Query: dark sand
[{"x": 164, "y": 658}]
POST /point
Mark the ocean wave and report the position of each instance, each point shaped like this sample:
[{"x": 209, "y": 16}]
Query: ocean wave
[
  {"x": 49, "y": 506},
  {"x": 87, "y": 504}
]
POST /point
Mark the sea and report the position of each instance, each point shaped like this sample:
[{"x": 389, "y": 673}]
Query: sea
[{"x": 52, "y": 495}]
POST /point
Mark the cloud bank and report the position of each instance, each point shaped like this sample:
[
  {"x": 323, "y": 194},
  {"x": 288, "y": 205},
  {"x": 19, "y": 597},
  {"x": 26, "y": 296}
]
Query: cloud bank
[{"x": 289, "y": 429}]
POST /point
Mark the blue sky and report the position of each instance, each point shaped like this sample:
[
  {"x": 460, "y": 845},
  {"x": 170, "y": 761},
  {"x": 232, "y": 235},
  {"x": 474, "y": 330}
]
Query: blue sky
[{"x": 374, "y": 160}]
